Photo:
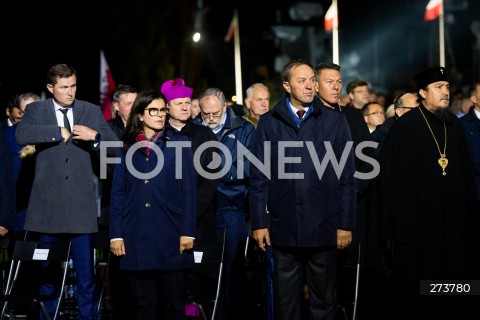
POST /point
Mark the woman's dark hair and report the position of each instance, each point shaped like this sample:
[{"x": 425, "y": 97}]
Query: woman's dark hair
[{"x": 134, "y": 125}]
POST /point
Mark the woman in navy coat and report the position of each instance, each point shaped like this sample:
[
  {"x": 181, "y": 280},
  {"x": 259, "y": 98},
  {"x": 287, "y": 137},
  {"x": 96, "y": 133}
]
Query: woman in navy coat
[{"x": 153, "y": 210}]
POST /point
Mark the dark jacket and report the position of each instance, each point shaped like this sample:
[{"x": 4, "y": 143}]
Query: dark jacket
[
  {"x": 151, "y": 213},
  {"x": 471, "y": 126},
  {"x": 7, "y": 183},
  {"x": 206, "y": 188},
  {"x": 117, "y": 126},
  {"x": 231, "y": 192},
  {"x": 305, "y": 210}
]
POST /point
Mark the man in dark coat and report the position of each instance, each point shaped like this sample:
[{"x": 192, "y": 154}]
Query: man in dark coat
[
  {"x": 231, "y": 210},
  {"x": 311, "y": 211},
  {"x": 67, "y": 134},
  {"x": 179, "y": 102},
  {"x": 426, "y": 196},
  {"x": 471, "y": 125}
]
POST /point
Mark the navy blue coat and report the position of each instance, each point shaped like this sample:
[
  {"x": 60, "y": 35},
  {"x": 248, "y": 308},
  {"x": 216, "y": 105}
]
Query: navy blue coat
[
  {"x": 304, "y": 212},
  {"x": 471, "y": 126},
  {"x": 151, "y": 214},
  {"x": 7, "y": 182},
  {"x": 232, "y": 189}
]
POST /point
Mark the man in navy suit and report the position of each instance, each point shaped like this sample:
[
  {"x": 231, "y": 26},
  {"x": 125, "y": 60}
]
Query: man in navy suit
[{"x": 62, "y": 203}]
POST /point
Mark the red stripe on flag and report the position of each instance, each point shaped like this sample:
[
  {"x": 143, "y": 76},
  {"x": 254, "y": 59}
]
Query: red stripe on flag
[
  {"x": 230, "y": 32},
  {"x": 330, "y": 17},
  {"x": 432, "y": 10}
]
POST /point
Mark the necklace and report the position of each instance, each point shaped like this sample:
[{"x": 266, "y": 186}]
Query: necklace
[{"x": 442, "y": 161}]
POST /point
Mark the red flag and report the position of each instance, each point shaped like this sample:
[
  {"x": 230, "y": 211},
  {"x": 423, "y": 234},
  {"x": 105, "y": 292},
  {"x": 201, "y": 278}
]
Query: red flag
[
  {"x": 231, "y": 31},
  {"x": 433, "y": 9},
  {"x": 107, "y": 87},
  {"x": 330, "y": 17}
]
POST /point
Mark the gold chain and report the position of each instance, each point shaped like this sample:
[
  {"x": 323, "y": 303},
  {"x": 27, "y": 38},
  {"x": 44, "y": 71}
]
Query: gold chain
[{"x": 442, "y": 161}]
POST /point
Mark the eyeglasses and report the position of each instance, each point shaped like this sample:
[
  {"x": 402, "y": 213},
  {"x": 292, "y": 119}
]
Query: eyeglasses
[
  {"x": 377, "y": 113},
  {"x": 154, "y": 111},
  {"x": 217, "y": 114}
]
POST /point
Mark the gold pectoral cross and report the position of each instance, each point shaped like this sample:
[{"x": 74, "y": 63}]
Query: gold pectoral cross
[{"x": 443, "y": 162}]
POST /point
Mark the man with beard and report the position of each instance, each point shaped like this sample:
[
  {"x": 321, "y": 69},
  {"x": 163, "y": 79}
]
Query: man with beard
[{"x": 426, "y": 196}]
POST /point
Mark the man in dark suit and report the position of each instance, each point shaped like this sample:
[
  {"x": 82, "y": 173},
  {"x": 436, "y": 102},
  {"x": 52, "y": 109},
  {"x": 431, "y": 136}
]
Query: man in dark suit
[
  {"x": 179, "y": 108},
  {"x": 67, "y": 133},
  {"x": 309, "y": 215}
]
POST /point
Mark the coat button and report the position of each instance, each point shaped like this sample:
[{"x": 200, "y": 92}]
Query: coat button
[
  {"x": 66, "y": 178},
  {"x": 147, "y": 205},
  {"x": 66, "y": 160},
  {"x": 299, "y": 204},
  {"x": 146, "y": 182},
  {"x": 146, "y": 159}
]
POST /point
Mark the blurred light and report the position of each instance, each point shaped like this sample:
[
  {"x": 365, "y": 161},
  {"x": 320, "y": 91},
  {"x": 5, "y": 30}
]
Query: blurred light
[
  {"x": 196, "y": 37},
  {"x": 304, "y": 11},
  {"x": 290, "y": 33},
  {"x": 234, "y": 98}
]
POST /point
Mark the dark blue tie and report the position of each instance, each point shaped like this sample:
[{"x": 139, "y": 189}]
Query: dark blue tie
[{"x": 66, "y": 123}]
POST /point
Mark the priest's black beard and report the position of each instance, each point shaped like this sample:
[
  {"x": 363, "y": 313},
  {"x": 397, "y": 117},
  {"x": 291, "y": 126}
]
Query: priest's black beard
[{"x": 443, "y": 115}]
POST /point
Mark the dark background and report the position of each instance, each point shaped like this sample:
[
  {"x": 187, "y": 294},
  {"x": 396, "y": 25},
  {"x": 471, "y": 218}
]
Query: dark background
[{"x": 147, "y": 42}]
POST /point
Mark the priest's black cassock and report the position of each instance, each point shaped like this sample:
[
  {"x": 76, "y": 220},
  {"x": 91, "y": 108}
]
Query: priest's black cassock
[{"x": 426, "y": 214}]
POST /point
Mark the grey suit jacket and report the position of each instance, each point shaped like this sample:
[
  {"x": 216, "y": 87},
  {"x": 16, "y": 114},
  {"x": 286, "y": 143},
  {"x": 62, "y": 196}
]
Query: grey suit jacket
[{"x": 63, "y": 197}]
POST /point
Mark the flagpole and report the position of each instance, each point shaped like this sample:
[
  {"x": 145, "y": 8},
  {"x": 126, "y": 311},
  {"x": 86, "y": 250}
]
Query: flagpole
[
  {"x": 238, "y": 63},
  {"x": 441, "y": 34},
  {"x": 335, "y": 45}
]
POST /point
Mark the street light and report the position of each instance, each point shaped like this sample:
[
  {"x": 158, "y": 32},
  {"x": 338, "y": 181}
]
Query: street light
[{"x": 196, "y": 37}]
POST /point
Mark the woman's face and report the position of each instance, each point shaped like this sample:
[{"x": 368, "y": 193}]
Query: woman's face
[{"x": 153, "y": 117}]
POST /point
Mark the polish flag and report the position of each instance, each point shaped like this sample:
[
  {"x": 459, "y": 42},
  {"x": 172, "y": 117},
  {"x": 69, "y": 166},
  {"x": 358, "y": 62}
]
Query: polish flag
[
  {"x": 107, "y": 87},
  {"x": 434, "y": 7},
  {"x": 231, "y": 31},
  {"x": 330, "y": 17}
]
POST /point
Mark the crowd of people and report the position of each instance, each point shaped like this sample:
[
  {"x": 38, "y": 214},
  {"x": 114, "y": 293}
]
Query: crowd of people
[{"x": 321, "y": 181}]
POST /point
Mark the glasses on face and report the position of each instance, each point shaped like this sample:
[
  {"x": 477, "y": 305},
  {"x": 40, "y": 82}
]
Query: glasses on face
[
  {"x": 155, "y": 111},
  {"x": 377, "y": 113},
  {"x": 217, "y": 114}
]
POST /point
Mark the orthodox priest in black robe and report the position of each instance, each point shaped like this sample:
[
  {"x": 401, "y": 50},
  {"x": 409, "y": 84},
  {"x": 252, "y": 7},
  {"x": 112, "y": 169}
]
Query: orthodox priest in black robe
[{"x": 426, "y": 201}]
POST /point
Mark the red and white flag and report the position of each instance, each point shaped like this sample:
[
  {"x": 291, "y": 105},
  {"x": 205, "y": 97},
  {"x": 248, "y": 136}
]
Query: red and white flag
[
  {"x": 434, "y": 7},
  {"x": 331, "y": 17},
  {"x": 107, "y": 87},
  {"x": 231, "y": 31}
]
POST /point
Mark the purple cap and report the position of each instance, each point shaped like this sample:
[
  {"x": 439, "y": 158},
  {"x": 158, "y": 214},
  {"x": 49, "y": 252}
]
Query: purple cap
[{"x": 176, "y": 88}]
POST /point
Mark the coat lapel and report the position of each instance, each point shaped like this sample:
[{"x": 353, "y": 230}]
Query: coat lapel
[
  {"x": 49, "y": 110},
  {"x": 78, "y": 110}
]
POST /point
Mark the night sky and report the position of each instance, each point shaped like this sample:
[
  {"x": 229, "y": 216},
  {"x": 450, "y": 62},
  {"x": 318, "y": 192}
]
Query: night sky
[{"x": 147, "y": 42}]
